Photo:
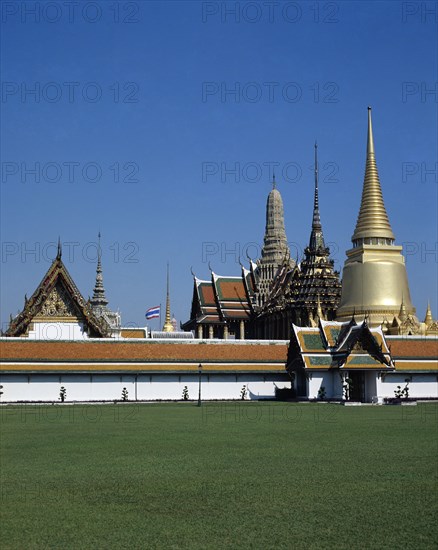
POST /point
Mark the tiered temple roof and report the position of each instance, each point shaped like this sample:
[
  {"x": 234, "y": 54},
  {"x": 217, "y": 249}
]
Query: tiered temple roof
[
  {"x": 232, "y": 297},
  {"x": 334, "y": 345},
  {"x": 220, "y": 302},
  {"x": 204, "y": 306}
]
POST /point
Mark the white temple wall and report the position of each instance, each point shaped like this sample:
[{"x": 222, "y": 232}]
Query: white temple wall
[
  {"x": 337, "y": 389},
  {"x": 108, "y": 387},
  {"x": 320, "y": 379},
  {"x": 420, "y": 385}
]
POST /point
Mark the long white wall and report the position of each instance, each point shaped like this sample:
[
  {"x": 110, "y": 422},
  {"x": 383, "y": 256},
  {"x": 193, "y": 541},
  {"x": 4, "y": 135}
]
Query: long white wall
[
  {"x": 108, "y": 387},
  {"x": 420, "y": 385},
  {"x": 152, "y": 387}
]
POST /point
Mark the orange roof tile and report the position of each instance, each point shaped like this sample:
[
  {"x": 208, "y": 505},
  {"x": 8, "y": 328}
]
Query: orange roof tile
[
  {"x": 146, "y": 351},
  {"x": 413, "y": 347}
]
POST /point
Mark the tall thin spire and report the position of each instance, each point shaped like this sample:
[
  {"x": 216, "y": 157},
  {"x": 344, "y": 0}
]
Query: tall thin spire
[
  {"x": 274, "y": 184},
  {"x": 168, "y": 326},
  {"x": 373, "y": 220},
  {"x": 59, "y": 251},
  {"x": 316, "y": 236},
  {"x": 403, "y": 313},
  {"x": 99, "y": 298},
  {"x": 428, "y": 319},
  {"x": 316, "y": 224}
]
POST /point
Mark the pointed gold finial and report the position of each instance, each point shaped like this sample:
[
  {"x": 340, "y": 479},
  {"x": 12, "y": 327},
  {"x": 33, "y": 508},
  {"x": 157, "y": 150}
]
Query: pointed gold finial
[
  {"x": 428, "y": 320},
  {"x": 168, "y": 326},
  {"x": 370, "y": 140},
  {"x": 373, "y": 220},
  {"x": 402, "y": 314}
]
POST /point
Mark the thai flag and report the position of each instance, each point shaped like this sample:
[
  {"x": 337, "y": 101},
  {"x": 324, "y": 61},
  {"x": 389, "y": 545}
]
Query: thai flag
[{"x": 153, "y": 312}]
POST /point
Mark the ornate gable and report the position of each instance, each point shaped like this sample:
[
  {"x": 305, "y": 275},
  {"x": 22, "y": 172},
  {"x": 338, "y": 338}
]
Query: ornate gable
[
  {"x": 410, "y": 326},
  {"x": 57, "y": 299},
  {"x": 60, "y": 305}
]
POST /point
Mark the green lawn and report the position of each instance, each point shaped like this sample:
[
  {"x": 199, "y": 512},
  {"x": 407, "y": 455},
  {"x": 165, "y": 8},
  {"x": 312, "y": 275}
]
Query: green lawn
[{"x": 257, "y": 475}]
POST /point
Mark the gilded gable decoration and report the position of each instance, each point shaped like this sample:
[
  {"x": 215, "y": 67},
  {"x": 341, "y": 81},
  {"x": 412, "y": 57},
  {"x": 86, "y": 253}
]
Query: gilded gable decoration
[{"x": 57, "y": 299}]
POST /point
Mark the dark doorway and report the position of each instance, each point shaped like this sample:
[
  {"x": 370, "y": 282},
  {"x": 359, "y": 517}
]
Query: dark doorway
[
  {"x": 357, "y": 386},
  {"x": 301, "y": 383}
]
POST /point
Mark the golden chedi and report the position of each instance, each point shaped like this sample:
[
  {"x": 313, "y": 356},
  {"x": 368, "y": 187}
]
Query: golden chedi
[{"x": 374, "y": 281}]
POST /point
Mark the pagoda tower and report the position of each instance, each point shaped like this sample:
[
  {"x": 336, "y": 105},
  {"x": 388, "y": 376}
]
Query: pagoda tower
[
  {"x": 275, "y": 248},
  {"x": 99, "y": 302},
  {"x": 168, "y": 325},
  {"x": 374, "y": 281},
  {"x": 316, "y": 289}
]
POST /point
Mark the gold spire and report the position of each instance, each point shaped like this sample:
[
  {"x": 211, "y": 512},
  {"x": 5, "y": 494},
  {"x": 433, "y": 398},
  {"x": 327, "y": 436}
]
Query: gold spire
[
  {"x": 372, "y": 220},
  {"x": 428, "y": 320},
  {"x": 168, "y": 326},
  {"x": 402, "y": 315}
]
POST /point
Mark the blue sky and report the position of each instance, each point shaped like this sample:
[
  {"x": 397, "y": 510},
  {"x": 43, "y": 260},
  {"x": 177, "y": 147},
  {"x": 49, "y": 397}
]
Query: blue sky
[{"x": 133, "y": 129}]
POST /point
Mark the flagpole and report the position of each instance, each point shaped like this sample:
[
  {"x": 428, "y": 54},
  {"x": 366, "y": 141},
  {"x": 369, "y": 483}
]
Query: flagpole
[{"x": 159, "y": 328}]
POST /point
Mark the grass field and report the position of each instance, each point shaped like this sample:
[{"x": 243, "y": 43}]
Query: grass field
[{"x": 257, "y": 475}]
